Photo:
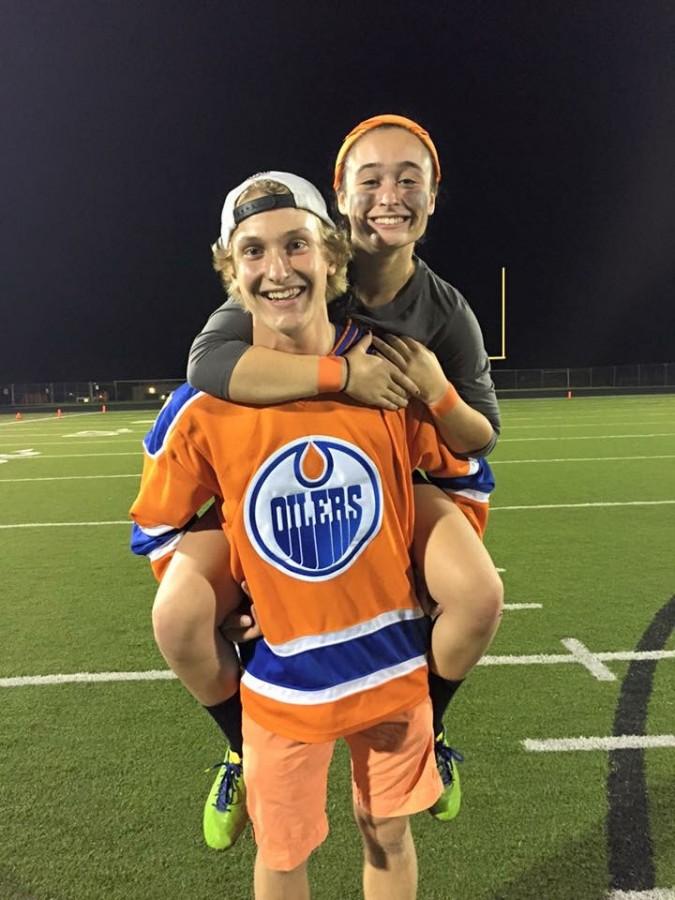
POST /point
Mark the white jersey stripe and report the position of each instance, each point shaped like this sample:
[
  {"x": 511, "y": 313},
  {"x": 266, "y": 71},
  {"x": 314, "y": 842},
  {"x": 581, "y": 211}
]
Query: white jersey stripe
[
  {"x": 314, "y": 641},
  {"x": 478, "y": 496},
  {"x": 163, "y": 549}
]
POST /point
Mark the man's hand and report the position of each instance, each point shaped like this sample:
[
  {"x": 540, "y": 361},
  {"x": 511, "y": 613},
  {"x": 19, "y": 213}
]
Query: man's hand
[
  {"x": 375, "y": 381},
  {"x": 420, "y": 364}
]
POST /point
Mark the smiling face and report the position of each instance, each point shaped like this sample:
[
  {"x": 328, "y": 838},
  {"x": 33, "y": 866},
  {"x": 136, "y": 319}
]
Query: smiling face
[
  {"x": 281, "y": 270},
  {"x": 387, "y": 191}
]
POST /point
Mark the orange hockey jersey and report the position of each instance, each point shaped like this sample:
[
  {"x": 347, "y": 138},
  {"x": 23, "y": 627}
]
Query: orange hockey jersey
[{"x": 318, "y": 504}]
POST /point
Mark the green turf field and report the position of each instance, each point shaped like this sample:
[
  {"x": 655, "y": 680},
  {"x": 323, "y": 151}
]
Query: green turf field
[{"x": 102, "y": 782}]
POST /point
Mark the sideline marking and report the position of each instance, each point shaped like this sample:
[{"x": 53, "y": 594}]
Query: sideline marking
[
  {"x": 619, "y": 742},
  {"x": 630, "y": 851},
  {"x": 522, "y": 605}
]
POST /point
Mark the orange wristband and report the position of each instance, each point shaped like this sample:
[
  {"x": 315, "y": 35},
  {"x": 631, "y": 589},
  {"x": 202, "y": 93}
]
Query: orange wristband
[
  {"x": 331, "y": 374},
  {"x": 448, "y": 401}
]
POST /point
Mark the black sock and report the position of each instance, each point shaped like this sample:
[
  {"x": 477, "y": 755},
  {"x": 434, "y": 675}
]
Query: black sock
[
  {"x": 441, "y": 693},
  {"x": 227, "y": 716}
]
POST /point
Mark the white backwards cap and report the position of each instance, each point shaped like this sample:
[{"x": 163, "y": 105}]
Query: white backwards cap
[{"x": 303, "y": 195}]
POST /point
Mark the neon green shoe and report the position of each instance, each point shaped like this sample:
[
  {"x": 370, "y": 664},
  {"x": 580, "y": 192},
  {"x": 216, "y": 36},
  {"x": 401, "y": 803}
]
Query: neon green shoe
[
  {"x": 446, "y": 808},
  {"x": 225, "y": 815}
]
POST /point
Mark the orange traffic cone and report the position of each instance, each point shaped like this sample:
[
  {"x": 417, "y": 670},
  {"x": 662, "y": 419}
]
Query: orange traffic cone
[
  {"x": 104, "y": 408},
  {"x": 59, "y": 414},
  {"x": 19, "y": 417}
]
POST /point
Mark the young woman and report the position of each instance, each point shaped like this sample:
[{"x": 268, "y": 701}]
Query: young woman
[{"x": 386, "y": 180}]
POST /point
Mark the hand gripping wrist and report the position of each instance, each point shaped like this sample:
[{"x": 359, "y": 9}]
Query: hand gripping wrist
[
  {"x": 332, "y": 375},
  {"x": 444, "y": 404}
]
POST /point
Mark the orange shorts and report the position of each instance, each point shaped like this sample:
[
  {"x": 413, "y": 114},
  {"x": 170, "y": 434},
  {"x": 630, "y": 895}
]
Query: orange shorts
[{"x": 393, "y": 774}]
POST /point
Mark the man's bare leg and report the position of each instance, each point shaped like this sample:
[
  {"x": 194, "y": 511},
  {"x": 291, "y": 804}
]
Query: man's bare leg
[
  {"x": 390, "y": 860},
  {"x": 272, "y": 884}
]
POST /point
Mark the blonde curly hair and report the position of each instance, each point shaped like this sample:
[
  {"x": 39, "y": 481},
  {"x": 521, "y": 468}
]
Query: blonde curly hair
[{"x": 336, "y": 247}]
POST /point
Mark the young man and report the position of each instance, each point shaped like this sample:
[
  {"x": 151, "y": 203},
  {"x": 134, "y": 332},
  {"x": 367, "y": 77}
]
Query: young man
[
  {"x": 317, "y": 503},
  {"x": 387, "y": 175}
]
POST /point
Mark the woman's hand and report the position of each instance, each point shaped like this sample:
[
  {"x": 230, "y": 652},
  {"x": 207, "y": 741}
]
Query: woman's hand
[
  {"x": 420, "y": 364},
  {"x": 375, "y": 381},
  {"x": 242, "y": 624}
]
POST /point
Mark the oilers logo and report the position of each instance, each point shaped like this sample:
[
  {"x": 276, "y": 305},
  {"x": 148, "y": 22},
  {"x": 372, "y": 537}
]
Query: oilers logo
[{"x": 313, "y": 507}]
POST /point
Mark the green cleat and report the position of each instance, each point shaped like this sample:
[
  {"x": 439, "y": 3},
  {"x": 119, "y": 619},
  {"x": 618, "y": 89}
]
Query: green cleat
[
  {"x": 225, "y": 815},
  {"x": 446, "y": 808}
]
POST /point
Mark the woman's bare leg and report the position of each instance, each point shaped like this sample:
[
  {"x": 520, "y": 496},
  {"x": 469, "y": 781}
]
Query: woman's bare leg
[
  {"x": 461, "y": 578},
  {"x": 196, "y": 593}
]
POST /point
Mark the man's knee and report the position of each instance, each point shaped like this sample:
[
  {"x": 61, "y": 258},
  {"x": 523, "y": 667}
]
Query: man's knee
[{"x": 382, "y": 838}]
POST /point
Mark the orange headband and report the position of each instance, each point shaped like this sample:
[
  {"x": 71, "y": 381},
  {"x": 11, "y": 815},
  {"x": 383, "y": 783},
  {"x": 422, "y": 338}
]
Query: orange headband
[{"x": 375, "y": 122}]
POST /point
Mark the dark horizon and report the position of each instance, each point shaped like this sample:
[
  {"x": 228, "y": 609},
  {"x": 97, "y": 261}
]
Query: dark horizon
[{"x": 125, "y": 125}]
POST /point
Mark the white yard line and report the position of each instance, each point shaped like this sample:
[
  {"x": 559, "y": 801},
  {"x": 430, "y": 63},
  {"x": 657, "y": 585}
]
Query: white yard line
[
  {"x": 588, "y": 418},
  {"x": 653, "y": 894},
  {"x": 523, "y": 605},
  {"x": 65, "y": 524},
  {"x": 137, "y": 453},
  {"x": 621, "y": 742},
  {"x": 166, "y": 674},
  {"x": 25, "y": 433},
  {"x": 79, "y": 441},
  {"x": 12, "y": 423},
  {"x": 593, "y": 424},
  {"x": 587, "y": 437},
  {"x": 69, "y": 477},
  {"x": 493, "y": 509},
  {"x": 585, "y": 505},
  {"x": 87, "y": 678},
  {"x": 592, "y": 663}
]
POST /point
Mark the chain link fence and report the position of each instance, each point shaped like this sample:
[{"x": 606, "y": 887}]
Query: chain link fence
[{"x": 149, "y": 393}]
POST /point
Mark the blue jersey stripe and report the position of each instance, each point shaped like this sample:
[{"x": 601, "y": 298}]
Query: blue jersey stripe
[
  {"x": 327, "y": 667},
  {"x": 143, "y": 544},
  {"x": 348, "y": 338},
  {"x": 483, "y": 480},
  {"x": 154, "y": 439}
]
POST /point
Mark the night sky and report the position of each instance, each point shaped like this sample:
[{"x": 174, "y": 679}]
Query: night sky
[{"x": 123, "y": 125}]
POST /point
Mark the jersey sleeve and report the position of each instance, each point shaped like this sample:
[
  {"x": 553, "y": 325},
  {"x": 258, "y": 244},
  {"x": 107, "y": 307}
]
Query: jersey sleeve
[
  {"x": 468, "y": 482},
  {"x": 464, "y": 359},
  {"x": 216, "y": 350},
  {"x": 176, "y": 482}
]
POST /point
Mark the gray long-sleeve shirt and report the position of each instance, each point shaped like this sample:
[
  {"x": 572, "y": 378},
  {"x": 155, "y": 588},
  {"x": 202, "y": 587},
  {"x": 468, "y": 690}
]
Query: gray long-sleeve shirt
[{"x": 427, "y": 309}]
